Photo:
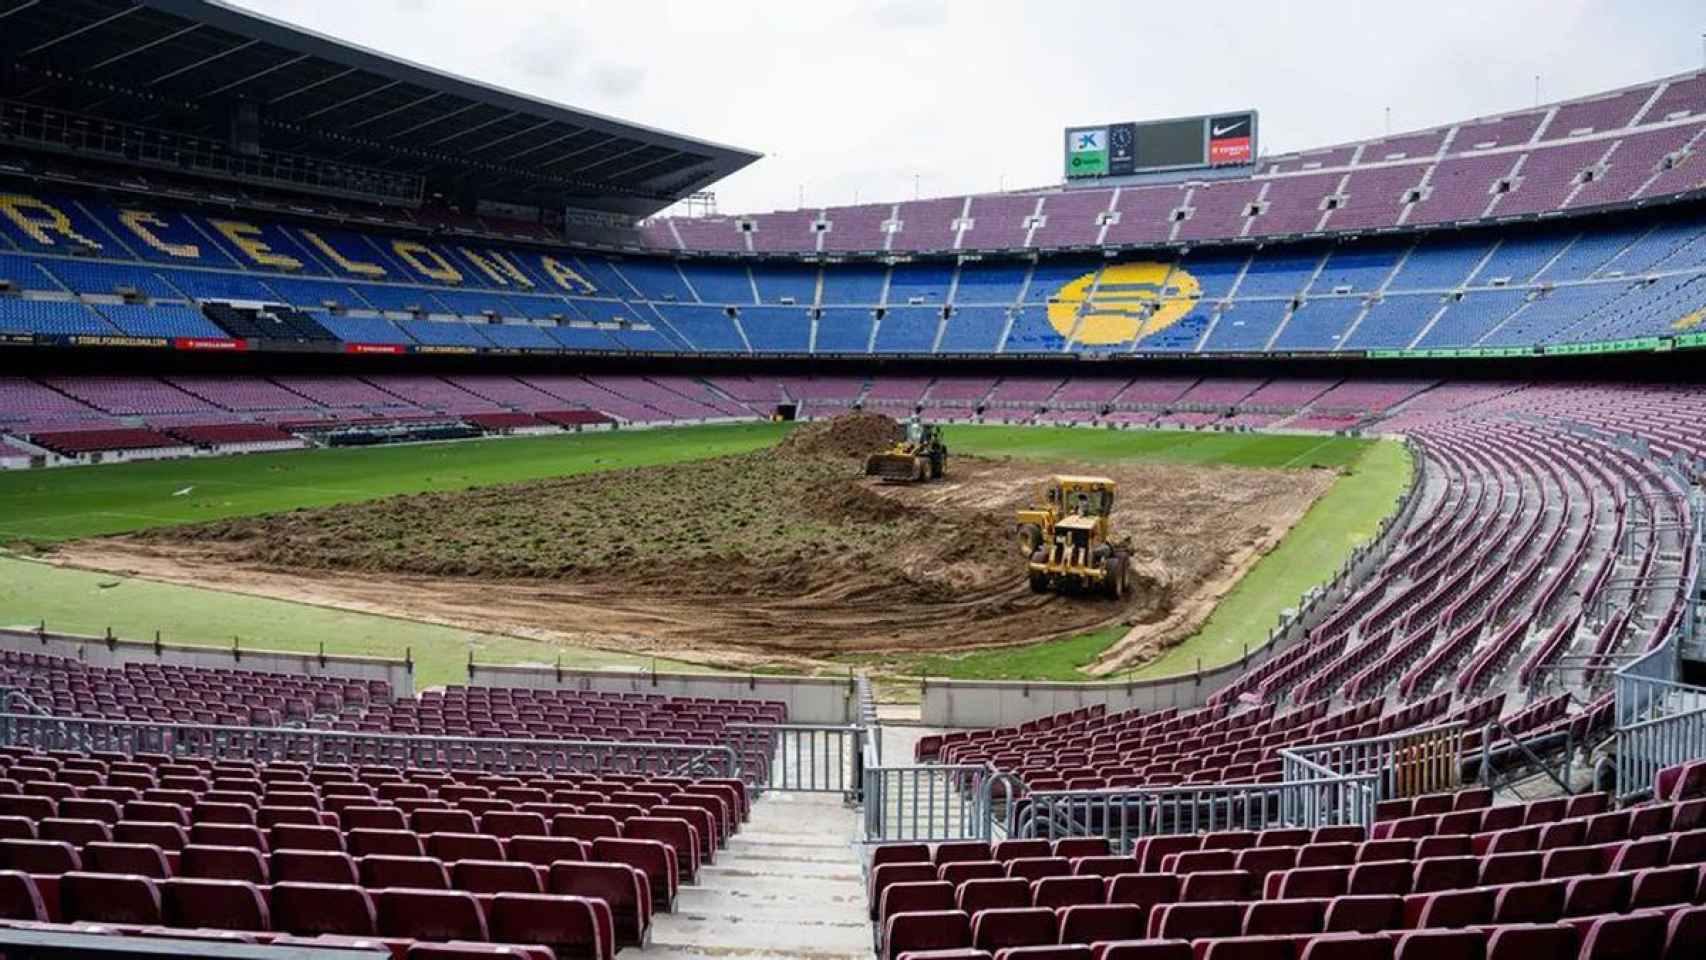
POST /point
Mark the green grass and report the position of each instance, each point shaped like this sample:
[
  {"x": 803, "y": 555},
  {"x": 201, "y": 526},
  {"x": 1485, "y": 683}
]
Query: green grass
[
  {"x": 1060, "y": 660},
  {"x": 79, "y": 602},
  {"x": 92, "y": 501},
  {"x": 1348, "y": 514},
  {"x": 46, "y": 506},
  {"x": 1157, "y": 446},
  {"x": 1373, "y": 476}
]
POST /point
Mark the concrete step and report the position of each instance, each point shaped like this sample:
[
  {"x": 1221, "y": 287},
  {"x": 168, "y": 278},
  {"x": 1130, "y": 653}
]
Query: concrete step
[{"x": 789, "y": 886}]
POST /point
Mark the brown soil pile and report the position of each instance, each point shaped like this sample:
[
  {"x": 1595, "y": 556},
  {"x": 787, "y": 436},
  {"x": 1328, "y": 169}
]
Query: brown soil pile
[
  {"x": 783, "y": 555},
  {"x": 851, "y": 435}
]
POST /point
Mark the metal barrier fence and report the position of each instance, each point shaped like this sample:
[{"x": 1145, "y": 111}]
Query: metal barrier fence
[
  {"x": 935, "y": 802},
  {"x": 1407, "y": 763},
  {"x": 1645, "y": 748},
  {"x": 1660, "y": 720},
  {"x": 1125, "y": 817},
  {"x": 1320, "y": 785},
  {"x": 338, "y": 746},
  {"x": 804, "y": 757}
]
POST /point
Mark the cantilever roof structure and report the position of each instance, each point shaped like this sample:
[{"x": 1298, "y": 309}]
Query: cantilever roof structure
[{"x": 186, "y": 64}]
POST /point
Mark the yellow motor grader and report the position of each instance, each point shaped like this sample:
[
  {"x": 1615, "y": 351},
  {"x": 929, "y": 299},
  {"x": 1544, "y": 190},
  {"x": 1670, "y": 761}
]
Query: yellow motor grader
[
  {"x": 919, "y": 456},
  {"x": 1066, "y": 539}
]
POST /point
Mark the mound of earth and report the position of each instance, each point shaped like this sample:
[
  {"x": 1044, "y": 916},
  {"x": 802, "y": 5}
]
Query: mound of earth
[
  {"x": 786, "y": 554},
  {"x": 849, "y": 435}
]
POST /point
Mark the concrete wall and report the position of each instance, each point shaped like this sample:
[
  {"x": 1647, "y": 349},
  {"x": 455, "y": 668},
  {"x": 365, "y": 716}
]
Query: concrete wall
[
  {"x": 115, "y": 653},
  {"x": 809, "y": 699},
  {"x": 967, "y": 703}
]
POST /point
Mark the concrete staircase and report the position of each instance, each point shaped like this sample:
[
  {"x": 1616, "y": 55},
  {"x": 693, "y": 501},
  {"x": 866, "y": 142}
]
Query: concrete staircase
[{"x": 789, "y": 885}]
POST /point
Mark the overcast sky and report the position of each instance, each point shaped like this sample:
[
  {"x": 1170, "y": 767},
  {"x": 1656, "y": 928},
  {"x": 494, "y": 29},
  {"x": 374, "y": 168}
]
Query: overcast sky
[{"x": 866, "y": 100}]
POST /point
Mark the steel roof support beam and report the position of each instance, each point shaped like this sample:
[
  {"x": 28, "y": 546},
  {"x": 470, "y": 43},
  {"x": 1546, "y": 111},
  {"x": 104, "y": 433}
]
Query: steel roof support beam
[
  {"x": 355, "y": 99},
  {"x": 432, "y": 120},
  {"x": 95, "y": 25},
  {"x": 202, "y": 62},
  {"x": 553, "y": 141},
  {"x": 607, "y": 139},
  {"x": 511, "y": 136},
  {"x": 133, "y": 51},
  {"x": 253, "y": 76},
  {"x": 636, "y": 148},
  {"x": 315, "y": 85},
  {"x": 394, "y": 111},
  {"x": 473, "y": 129}
]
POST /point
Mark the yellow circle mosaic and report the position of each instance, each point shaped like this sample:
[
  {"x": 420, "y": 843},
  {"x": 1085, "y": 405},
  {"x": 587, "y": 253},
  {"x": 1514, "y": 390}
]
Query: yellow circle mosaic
[{"x": 1131, "y": 298}]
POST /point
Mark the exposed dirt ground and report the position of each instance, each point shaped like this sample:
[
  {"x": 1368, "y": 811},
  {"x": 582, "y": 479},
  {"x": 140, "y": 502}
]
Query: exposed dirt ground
[{"x": 780, "y": 556}]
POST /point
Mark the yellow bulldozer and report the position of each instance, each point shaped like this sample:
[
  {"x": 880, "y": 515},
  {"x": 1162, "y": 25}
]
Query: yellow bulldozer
[
  {"x": 919, "y": 456},
  {"x": 1066, "y": 539}
]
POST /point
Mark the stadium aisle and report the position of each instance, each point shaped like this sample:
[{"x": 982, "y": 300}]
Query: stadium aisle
[{"x": 787, "y": 886}]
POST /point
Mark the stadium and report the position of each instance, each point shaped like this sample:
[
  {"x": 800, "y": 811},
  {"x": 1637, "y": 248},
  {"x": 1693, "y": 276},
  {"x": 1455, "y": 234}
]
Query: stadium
[{"x": 429, "y": 528}]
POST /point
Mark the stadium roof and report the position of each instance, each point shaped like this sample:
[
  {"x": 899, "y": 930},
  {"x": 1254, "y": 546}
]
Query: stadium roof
[{"x": 186, "y": 64}]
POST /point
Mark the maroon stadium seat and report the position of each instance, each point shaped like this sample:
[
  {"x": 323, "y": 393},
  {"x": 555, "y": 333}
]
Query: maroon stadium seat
[
  {"x": 430, "y": 915},
  {"x": 931, "y": 930},
  {"x": 215, "y": 905},
  {"x": 622, "y": 887},
  {"x": 314, "y": 866},
  {"x": 575, "y": 928},
  {"x": 417, "y": 873},
  {"x": 142, "y": 859},
  {"x": 310, "y": 909},
  {"x": 997, "y": 929},
  {"x": 108, "y": 898}
]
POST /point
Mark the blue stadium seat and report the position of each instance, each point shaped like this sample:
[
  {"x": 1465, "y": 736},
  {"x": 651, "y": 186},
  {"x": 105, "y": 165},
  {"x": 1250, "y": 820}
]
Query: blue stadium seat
[
  {"x": 160, "y": 320},
  {"x": 518, "y": 336},
  {"x": 1246, "y": 325},
  {"x": 655, "y": 280},
  {"x": 852, "y": 284},
  {"x": 445, "y": 333},
  {"x": 842, "y": 330},
  {"x": 101, "y": 277},
  {"x": 1320, "y": 324},
  {"x": 50, "y": 317},
  {"x": 776, "y": 329},
  {"x": 927, "y": 282},
  {"x": 722, "y": 283},
  {"x": 974, "y": 330},
  {"x": 779, "y": 282},
  {"x": 363, "y": 329},
  {"x": 907, "y": 330},
  {"x": 706, "y": 328}
]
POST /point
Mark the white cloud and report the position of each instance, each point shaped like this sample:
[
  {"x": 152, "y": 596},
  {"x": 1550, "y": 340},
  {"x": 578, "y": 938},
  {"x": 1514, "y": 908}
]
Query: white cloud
[{"x": 859, "y": 98}]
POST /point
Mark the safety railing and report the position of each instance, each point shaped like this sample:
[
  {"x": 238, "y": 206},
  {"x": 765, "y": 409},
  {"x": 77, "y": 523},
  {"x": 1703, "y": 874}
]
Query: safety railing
[
  {"x": 811, "y": 758},
  {"x": 1407, "y": 763},
  {"x": 936, "y": 802},
  {"x": 1645, "y": 748},
  {"x": 1124, "y": 817},
  {"x": 339, "y": 746},
  {"x": 867, "y": 697}
]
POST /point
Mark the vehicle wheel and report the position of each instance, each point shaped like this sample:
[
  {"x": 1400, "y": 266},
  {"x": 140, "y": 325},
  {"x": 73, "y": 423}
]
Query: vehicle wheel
[
  {"x": 1039, "y": 583},
  {"x": 937, "y": 467},
  {"x": 921, "y": 470},
  {"x": 1114, "y": 581},
  {"x": 1030, "y": 538}
]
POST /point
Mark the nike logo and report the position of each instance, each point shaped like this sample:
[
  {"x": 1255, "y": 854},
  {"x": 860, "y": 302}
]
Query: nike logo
[{"x": 1223, "y": 131}]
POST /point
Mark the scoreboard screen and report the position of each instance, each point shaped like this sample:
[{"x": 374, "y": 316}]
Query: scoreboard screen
[{"x": 1123, "y": 149}]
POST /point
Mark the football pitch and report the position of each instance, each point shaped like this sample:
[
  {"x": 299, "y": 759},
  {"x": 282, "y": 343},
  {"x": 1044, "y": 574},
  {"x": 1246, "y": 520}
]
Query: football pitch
[{"x": 38, "y": 508}]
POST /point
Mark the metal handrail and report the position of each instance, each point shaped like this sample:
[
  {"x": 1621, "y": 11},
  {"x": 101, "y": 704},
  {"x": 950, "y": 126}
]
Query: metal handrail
[
  {"x": 327, "y": 746},
  {"x": 1522, "y": 746},
  {"x": 809, "y": 757}
]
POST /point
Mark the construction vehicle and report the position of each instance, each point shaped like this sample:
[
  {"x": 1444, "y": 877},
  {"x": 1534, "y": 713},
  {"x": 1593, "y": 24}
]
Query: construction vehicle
[
  {"x": 919, "y": 456},
  {"x": 1066, "y": 539}
]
